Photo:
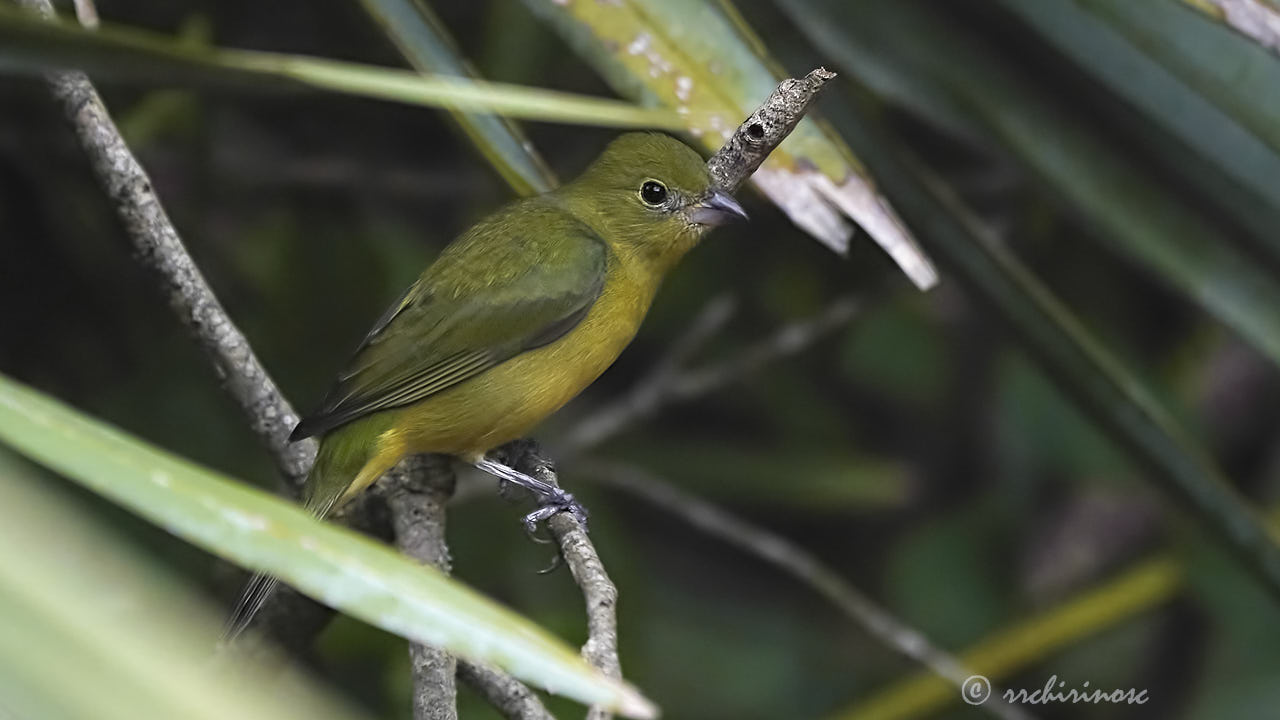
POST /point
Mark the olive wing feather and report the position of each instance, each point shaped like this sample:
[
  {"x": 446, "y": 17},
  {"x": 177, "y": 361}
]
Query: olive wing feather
[{"x": 495, "y": 293}]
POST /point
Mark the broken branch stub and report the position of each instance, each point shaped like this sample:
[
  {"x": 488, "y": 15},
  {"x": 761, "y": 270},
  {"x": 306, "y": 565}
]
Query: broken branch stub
[{"x": 765, "y": 129}]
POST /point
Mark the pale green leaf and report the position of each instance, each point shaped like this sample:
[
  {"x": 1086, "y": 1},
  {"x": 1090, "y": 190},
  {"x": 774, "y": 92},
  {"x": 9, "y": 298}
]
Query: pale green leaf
[
  {"x": 331, "y": 564},
  {"x": 426, "y": 44},
  {"x": 93, "y": 630},
  {"x": 31, "y": 46}
]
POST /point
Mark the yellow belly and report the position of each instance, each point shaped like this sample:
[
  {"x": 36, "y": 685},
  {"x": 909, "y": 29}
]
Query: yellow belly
[{"x": 507, "y": 401}]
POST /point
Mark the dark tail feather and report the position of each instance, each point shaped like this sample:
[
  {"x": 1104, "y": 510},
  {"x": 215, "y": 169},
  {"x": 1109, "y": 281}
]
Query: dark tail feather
[{"x": 343, "y": 454}]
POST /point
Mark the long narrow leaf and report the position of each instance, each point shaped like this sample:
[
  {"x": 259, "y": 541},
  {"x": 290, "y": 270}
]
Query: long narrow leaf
[
  {"x": 1241, "y": 77},
  {"x": 426, "y": 44},
  {"x": 32, "y": 46},
  {"x": 1139, "y": 219},
  {"x": 1258, "y": 20},
  {"x": 331, "y": 564},
  {"x": 1102, "y": 49},
  {"x": 1112, "y": 394},
  {"x": 87, "y": 618}
]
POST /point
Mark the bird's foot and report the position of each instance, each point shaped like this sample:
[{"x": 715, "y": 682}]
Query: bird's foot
[
  {"x": 548, "y": 505},
  {"x": 551, "y": 498}
]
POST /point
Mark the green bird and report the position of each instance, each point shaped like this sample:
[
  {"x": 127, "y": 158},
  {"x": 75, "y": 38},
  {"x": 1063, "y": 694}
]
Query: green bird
[{"x": 514, "y": 318}]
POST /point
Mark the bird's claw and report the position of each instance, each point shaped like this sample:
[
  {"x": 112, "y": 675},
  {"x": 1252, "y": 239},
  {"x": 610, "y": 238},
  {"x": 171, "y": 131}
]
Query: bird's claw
[{"x": 552, "y": 503}]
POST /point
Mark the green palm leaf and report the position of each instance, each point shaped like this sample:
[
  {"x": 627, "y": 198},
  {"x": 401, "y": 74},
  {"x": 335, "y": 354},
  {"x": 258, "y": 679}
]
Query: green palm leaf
[{"x": 329, "y": 563}]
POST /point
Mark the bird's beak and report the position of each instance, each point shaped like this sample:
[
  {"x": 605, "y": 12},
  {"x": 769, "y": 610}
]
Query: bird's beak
[{"x": 716, "y": 209}]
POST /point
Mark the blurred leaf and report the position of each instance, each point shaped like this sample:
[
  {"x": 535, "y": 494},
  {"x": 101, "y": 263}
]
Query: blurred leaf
[
  {"x": 818, "y": 479},
  {"x": 1239, "y": 76},
  {"x": 92, "y": 630},
  {"x": 1030, "y": 409},
  {"x": 1003, "y": 653},
  {"x": 334, "y": 565},
  {"x": 425, "y": 42},
  {"x": 167, "y": 111},
  {"x": 960, "y": 551},
  {"x": 1142, "y": 587},
  {"x": 898, "y": 351},
  {"x": 690, "y": 55},
  {"x": 1111, "y": 393},
  {"x": 1258, "y": 20},
  {"x": 1096, "y": 42},
  {"x": 1238, "y": 667},
  {"x": 32, "y": 46},
  {"x": 1139, "y": 217}
]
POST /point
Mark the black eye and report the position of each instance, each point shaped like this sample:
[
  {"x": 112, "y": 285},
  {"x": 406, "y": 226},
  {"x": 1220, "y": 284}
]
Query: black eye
[{"x": 653, "y": 192}]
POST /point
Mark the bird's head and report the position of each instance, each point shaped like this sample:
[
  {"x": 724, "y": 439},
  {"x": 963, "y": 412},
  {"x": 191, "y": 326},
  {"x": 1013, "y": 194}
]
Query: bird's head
[{"x": 651, "y": 194}]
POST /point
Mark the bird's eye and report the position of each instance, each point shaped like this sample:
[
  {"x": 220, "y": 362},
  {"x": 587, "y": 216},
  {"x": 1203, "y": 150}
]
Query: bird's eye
[{"x": 653, "y": 192}]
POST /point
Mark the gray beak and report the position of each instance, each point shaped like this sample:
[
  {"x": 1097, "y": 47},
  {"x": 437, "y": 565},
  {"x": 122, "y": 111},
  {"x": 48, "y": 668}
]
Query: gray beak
[{"x": 716, "y": 209}]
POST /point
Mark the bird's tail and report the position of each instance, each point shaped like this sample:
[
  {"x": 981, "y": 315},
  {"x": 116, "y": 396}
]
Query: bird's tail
[{"x": 345, "y": 458}]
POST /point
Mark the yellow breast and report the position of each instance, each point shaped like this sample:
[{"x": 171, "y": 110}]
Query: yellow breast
[{"x": 504, "y": 403}]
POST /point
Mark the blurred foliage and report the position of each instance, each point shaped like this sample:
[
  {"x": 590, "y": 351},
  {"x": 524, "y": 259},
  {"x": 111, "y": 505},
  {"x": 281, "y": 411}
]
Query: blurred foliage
[
  {"x": 345, "y": 570},
  {"x": 1122, "y": 154}
]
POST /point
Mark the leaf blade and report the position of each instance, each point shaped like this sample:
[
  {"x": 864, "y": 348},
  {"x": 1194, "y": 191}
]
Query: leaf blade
[
  {"x": 425, "y": 43},
  {"x": 31, "y": 46},
  {"x": 331, "y": 564}
]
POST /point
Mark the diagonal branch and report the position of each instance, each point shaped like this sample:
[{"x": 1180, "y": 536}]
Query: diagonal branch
[
  {"x": 416, "y": 491},
  {"x": 669, "y": 383},
  {"x": 510, "y": 697},
  {"x": 598, "y": 591},
  {"x": 791, "y": 558},
  {"x": 159, "y": 248}
]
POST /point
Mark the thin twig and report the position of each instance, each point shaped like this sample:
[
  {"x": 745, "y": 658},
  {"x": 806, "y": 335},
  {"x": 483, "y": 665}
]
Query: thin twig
[
  {"x": 417, "y": 491},
  {"x": 791, "y": 558},
  {"x": 158, "y": 247},
  {"x": 598, "y": 591},
  {"x": 507, "y": 695},
  {"x": 672, "y": 385}
]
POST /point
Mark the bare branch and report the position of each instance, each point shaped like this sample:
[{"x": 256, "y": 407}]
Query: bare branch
[
  {"x": 791, "y": 558},
  {"x": 765, "y": 129},
  {"x": 507, "y": 695},
  {"x": 598, "y": 591},
  {"x": 670, "y": 385},
  {"x": 158, "y": 246},
  {"x": 417, "y": 490}
]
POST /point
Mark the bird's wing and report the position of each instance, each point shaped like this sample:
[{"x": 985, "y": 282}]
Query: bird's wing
[{"x": 509, "y": 285}]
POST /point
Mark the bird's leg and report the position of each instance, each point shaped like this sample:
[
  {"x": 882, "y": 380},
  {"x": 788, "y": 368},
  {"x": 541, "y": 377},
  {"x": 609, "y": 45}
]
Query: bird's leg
[{"x": 551, "y": 499}]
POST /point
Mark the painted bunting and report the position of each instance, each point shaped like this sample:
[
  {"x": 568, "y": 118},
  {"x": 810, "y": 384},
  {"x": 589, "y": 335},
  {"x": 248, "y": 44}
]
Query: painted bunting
[{"x": 514, "y": 318}]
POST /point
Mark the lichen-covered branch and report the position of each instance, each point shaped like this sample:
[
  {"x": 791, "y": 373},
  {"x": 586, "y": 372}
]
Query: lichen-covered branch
[
  {"x": 598, "y": 591},
  {"x": 417, "y": 491},
  {"x": 159, "y": 248},
  {"x": 510, "y": 697},
  {"x": 765, "y": 129}
]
